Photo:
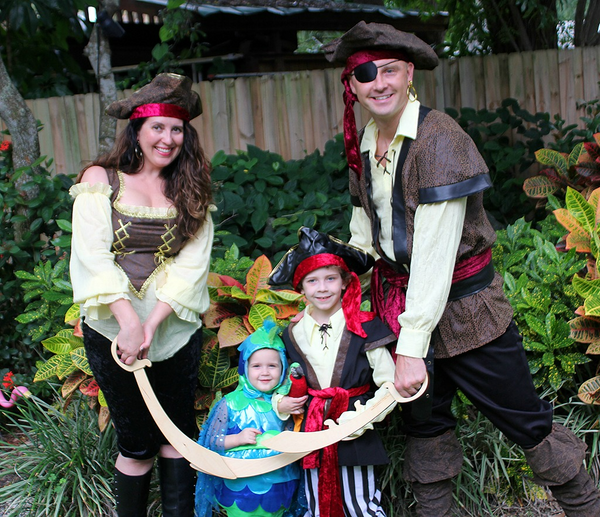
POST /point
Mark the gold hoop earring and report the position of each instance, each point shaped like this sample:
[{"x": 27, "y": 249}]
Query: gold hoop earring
[
  {"x": 138, "y": 151},
  {"x": 411, "y": 92}
]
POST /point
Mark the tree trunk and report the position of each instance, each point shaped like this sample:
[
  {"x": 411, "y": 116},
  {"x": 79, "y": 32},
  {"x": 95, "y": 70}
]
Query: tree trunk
[
  {"x": 98, "y": 52},
  {"x": 23, "y": 131},
  {"x": 586, "y": 24}
]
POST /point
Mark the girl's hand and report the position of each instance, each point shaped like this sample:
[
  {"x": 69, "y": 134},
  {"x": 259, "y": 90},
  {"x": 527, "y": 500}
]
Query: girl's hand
[
  {"x": 244, "y": 437},
  {"x": 292, "y": 406}
]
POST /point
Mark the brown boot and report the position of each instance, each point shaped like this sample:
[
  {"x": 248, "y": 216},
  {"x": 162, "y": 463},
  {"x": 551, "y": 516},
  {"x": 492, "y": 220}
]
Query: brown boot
[
  {"x": 557, "y": 462},
  {"x": 430, "y": 464}
]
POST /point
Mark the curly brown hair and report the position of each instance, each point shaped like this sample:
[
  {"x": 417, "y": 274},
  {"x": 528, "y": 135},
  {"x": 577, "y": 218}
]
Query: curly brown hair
[{"x": 187, "y": 178}]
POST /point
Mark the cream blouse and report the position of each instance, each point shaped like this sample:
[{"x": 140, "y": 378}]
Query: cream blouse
[
  {"x": 98, "y": 281},
  {"x": 437, "y": 234}
]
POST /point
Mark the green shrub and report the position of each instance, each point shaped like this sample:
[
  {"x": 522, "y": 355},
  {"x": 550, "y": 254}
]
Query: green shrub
[
  {"x": 44, "y": 218},
  {"x": 263, "y": 200},
  {"x": 537, "y": 281},
  {"x": 62, "y": 463}
]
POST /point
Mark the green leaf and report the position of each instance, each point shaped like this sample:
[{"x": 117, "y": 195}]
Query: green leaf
[
  {"x": 79, "y": 359},
  {"x": 580, "y": 209}
]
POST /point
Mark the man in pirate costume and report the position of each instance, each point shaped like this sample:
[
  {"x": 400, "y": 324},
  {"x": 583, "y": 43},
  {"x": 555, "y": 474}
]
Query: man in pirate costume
[
  {"x": 416, "y": 183},
  {"x": 343, "y": 352}
]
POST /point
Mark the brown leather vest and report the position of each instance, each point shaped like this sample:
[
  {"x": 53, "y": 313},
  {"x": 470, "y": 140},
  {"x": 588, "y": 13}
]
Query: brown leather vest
[
  {"x": 443, "y": 163},
  {"x": 143, "y": 243}
]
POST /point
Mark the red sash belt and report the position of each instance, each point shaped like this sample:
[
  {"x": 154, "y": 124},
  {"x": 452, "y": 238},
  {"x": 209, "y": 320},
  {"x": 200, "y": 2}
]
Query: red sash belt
[
  {"x": 389, "y": 310},
  {"x": 330, "y": 493}
]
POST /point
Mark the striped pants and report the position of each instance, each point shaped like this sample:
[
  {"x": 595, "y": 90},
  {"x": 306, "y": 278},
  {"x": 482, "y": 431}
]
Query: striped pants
[{"x": 361, "y": 495}]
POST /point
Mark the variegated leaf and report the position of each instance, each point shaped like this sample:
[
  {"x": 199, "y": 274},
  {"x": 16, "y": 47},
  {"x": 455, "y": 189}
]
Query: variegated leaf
[
  {"x": 228, "y": 379},
  {"x": 79, "y": 358},
  {"x": 232, "y": 332},
  {"x": 284, "y": 312},
  {"x": 539, "y": 187},
  {"x": 585, "y": 329},
  {"x": 229, "y": 281},
  {"x": 579, "y": 240},
  {"x": 216, "y": 314},
  {"x": 279, "y": 297},
  {"x": 553, "y": 159},
  {"x": 594, "y": 348},
  {"x": 65, "y": 366},
  {"x": 102, "y": 399},
  {"x": 214, "y": 367},
  {"x": 258, "y": 276},
  {"x": 103, "y": 418},
  {"x": 564, "y": 217},
  {"x": 72, "y": 382},
  {"x": 90, "y": 388},
  {"x": 592, "y": 305},
  {"x": 585, "y": 288},
  {"x": 47, "y": 369},
  {"x": 259, "y": 313},
  {"x": 240, "y": 294},
  {"x": 580, "y": 209},
  {"x": 589, "y": 391},
  {"x": 575, "y": 154}
]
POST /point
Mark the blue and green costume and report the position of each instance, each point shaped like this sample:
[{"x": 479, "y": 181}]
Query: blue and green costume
[{"x": 269, "y": 494}]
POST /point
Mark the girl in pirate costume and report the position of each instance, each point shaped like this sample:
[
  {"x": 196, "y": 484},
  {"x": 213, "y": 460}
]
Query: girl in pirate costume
[
  {"x": 343, "y": 353},
  {"x": 142, "y": 236},
  {"x": 236, "y": 426}
]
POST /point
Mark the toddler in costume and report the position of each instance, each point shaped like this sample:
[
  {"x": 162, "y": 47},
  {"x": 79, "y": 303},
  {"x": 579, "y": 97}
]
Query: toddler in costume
[
  {"x": 343, "y": 353},
  {"x": 236, "y": 426}
]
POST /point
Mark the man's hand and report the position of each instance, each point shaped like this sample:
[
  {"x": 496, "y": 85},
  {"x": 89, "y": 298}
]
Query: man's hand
[{"x": 410, "y": 374}]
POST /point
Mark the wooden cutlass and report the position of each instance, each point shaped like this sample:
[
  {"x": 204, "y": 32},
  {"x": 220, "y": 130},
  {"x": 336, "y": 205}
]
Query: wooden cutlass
[
  {"x": 292, "y": 445},
  {"x": 201, "y": 458},
  {"x": 291, "y": 442}
]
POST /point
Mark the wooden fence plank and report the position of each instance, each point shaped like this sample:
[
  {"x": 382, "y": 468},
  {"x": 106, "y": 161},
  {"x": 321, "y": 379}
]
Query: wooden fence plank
[
  {"x": 296, "y": 112},
  {"x": 591, "y": 76},
  {"x": 243, "y": 96}
]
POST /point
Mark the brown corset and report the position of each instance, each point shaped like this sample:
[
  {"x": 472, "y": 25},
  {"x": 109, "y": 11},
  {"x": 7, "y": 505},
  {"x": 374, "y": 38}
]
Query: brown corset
[{"x": 143, "y": 243}]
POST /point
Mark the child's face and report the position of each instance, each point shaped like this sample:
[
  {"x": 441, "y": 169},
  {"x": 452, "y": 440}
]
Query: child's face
[
  {"x": 264, "y": 369},
  {"x": 323, "y": 289}
]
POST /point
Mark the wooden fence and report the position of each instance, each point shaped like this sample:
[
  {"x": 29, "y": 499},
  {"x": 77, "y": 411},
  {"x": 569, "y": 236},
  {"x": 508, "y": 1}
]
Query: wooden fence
[{"x": 297, "y": 112}]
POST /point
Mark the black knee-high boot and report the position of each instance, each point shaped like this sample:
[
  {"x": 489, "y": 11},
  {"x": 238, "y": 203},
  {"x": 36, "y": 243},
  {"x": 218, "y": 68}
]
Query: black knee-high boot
[
  {"x": 131, "y": 494},
  {"x": 177, "y": 485}
]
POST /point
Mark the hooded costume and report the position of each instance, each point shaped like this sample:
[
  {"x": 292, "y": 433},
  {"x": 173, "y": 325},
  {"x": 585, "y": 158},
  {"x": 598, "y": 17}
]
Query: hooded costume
[{"x": 246, "y": 407}]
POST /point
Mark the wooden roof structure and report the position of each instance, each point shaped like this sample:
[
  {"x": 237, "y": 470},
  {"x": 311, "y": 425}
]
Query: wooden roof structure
[{"x": 260, "y": 36}]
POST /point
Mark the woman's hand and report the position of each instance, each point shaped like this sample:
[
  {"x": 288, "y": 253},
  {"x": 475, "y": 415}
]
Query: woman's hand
[
  {"x": 129, "y": 342},
  {"x": 292, "y": 406},
  {"x": 131, "y": 336}
]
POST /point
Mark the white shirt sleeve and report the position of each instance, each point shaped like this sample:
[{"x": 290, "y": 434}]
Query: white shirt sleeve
[
  {"x": 185, "y": 288},
  {"x": 96, "y": 280},
  {"x": 438, "y": 230}
]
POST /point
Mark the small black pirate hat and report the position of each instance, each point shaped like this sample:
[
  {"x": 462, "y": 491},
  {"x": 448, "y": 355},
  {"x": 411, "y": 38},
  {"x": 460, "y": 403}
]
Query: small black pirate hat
[{"x": 310, "y": 244}]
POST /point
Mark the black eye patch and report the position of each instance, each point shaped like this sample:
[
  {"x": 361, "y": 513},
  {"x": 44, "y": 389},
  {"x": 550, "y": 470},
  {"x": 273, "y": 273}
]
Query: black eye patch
[{"x": 366, "y": 72}]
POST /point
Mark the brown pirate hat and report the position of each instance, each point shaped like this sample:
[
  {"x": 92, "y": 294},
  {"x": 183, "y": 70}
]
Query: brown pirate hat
[
  {"x": 167, "y": 95},
  {"x": 381, "y": 36}
]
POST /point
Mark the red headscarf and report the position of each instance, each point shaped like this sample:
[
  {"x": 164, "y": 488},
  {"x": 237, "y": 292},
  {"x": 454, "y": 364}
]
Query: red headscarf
[{"x": 351, "y": 299}]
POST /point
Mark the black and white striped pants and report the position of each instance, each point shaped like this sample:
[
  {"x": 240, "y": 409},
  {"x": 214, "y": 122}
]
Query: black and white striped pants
[{"x": 361, "y": 495}]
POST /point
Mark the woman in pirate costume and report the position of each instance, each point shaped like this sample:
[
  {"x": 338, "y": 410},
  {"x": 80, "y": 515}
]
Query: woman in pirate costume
[
  {"x": 343, "y": 353},
  {"x": 142, "y": 236}
]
